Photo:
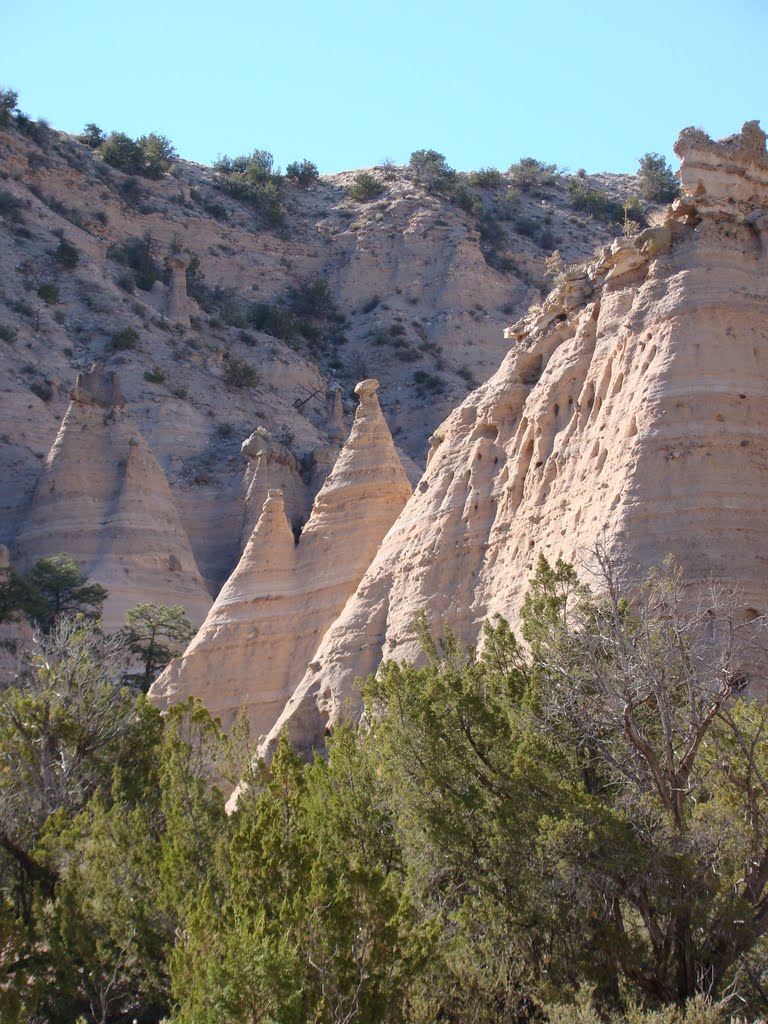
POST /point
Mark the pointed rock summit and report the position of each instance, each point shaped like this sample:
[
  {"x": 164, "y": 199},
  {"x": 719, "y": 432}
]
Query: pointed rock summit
[
  {"x": 630, "y": 410},
  {"x": 103, "y": 499},
  {"x": 273, "y": 611}
]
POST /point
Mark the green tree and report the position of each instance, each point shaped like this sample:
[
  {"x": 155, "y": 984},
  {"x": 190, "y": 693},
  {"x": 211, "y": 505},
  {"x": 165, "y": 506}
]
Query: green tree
[
  {"x": 303, "y": 172},
  {"x": 307, "y": 918},
  {"x": 92, "y": 136},
  {"x": 155, "y": 633},
  {"x": 61, "y": 587},
  {"x": 657, "y": 179},
  {"x": 430, "y": 169},
  {"x": 531, "y": 175},
  {"x": 121, "y": 151},
  {"x": 157, "y": 155},
  {"x": 671, "y": 830},
  {"x": 9, "y": 99},
  {"x": 364, "y": 187}
]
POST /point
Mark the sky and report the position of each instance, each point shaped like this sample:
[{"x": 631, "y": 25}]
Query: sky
[{"x": 347, "y": 83}]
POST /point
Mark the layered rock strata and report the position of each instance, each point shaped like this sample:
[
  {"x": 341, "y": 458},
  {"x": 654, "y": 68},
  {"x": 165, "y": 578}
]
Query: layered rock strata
[
  {"x": 103, "y": 498},
  {"x": 275, "y": 608},
  {"x": 630, "y": 411}
]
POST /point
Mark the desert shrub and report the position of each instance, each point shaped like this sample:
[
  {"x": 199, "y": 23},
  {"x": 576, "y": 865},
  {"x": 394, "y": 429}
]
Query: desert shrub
[
  {"x": 121, "y": 151},
  {"x": 492, "y": 234},
  {"x": 217, "y": 210},
  {"x": 428, "y": 383},
  {"x": 66, "y": 255},
  {"x": 49, "y": 293},
  {"x": 487, "y": 177},
  {"x": 303, "y": 172},
  {"x": 131, "y": 192},
  {"x": 364, "y": 187},
  {"x": 371, "y": 304},
  {"x": 38, "y": 131},
  {"x": 8, "y": 334},
  {"x": 634, "y": 215},
  {"x": 250, "y": 179},
  {"x": 467, "y": 200},
  {"x": 150, "y": 156},
  {"x": 124, "y": 340},
  {"x": 530, "y": 175},
  {"x": 92, "y": 136},
  {"x": 263, "y": 195},
  {"x": 594, "y": 201},
  {"x": 180, "y": 392},
  {"x": 430, "y": 170},
  {"x": 8, "y": 100},
  {"x": 273, "y": 320},
  {"x": 240, "y": 374},
  {"x": 158, "y": 155},
  {"x": 467, "y": 376},
  {"x": 155, "y": 376},
  {"x": 137, "y": 255},
  {"x": 657, "y": 179},
  {"x": 10, "y": 207},
  {"x": 311, "y": 298},
  {"x": 258, "y": 164},
  {"x": 43, "y": 389}
]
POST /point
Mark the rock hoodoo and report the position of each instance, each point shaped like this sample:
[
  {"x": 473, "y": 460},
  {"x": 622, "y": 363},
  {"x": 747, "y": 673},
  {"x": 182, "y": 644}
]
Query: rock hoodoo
[
  {"x": 275, "y": 608},
  {"x": 630, "y": 409},
  {"x": 178, "y": 304},
  {"x": 103, "y": 498}
]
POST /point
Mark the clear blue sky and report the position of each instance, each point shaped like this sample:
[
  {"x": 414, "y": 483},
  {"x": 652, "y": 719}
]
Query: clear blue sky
[{"x": 347, "y": 83}]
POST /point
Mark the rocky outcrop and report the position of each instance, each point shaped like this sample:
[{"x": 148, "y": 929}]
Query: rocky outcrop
[
  {"x": 630, "y": 410},
  {"x": 103, "y": 499},
  {"x": 178, "y": 304},
  {"x": 272, "y": 466},
  {"x": 273, "y": 611}
]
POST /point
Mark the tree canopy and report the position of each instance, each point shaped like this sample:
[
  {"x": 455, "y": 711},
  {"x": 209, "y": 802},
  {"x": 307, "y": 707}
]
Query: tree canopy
[{"x": 569, "y": 826}]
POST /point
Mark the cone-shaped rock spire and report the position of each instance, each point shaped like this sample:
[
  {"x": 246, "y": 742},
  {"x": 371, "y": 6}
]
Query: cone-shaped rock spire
[
  {"x": 271, "y": 615},
  {"x": 103, "y": 498}
]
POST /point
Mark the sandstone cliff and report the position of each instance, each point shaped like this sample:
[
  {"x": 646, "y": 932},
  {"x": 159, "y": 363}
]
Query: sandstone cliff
[
  {"x": 630, "y": 409},
  {"x": 275, "y": 608},
  {"x": 103, "y": 498}
]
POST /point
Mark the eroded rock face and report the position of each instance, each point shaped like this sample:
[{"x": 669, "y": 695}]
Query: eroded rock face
[
  {"x": 178, "y": 305},
  {"x": 630, "y": 410},
  {"x": 103, "y": 499},
  {"x": 273, "y": 611}
]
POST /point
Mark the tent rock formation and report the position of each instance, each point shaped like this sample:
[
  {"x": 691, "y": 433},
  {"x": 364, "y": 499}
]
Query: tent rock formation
[
  {"x": 278, "y": 603},
  {"x": 103, "y": 499},
  {"x": 630, "y": 409}
]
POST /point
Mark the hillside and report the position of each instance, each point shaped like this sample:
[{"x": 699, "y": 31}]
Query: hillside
[{"x": 407, "y": 286}]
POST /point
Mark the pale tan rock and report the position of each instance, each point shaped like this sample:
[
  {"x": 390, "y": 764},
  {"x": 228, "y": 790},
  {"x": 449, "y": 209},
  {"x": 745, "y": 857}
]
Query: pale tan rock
[
  {"x": 103, "y": 499},
  {"x": 634, "y": 417},
  {"x": 271, "y": 466},
  {"x": 277, "y": 605},
  {"x": 335, "y": 414},
  {"x": 178, "y": 304}
]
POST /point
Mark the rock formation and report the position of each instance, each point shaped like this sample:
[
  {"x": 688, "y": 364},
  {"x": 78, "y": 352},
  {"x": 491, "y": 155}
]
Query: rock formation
[
  {"x": 178, "y": 305},
  {"x": 275, "y": 608},
  {"x": 271, "y": 466},
  {"x": 103, "y": 499},
  {"x": 335, "y": 414},
  {"x": 630, "y": 410}
]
